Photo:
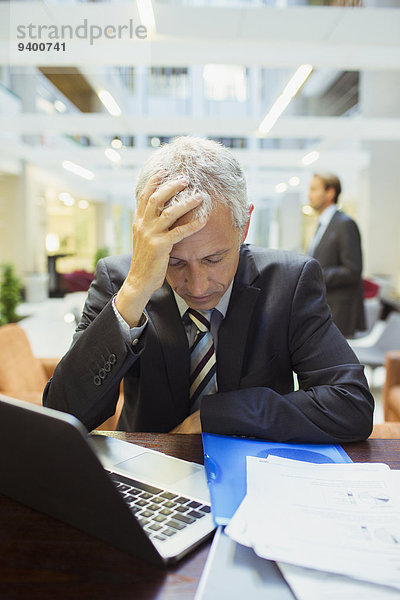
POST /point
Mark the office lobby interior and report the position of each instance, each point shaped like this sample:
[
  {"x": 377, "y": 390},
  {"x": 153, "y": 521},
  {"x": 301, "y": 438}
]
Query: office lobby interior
[
  {"x": 89, "y": 89},
  {"x": 292, "y": 87}
]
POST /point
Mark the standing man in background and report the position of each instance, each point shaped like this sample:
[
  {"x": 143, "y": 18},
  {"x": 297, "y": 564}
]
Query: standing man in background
[{"x": 337, "y": 247}]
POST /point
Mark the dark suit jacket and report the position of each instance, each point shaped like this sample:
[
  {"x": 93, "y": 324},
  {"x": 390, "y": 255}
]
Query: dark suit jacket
[
  {"x": 277, "y": 322},
  {"x": 339, "y": 254}
]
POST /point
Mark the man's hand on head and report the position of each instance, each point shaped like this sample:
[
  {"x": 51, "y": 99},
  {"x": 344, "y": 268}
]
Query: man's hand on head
[
  {"x": 192, "y": 424},
  {"x": 154, "y": 236}
]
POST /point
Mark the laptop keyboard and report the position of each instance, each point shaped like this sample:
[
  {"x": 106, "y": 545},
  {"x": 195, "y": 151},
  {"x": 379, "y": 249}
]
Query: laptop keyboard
[{"x": 161, "y": 513}]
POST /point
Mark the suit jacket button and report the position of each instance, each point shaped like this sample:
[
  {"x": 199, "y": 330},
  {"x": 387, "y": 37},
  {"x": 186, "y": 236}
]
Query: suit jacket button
[
  {"x": 112, "y": 359},
  {"x": 102, "y": 373},
  {"x": 107, "y": 366},
  {"x": 134, "y": 342},
  {"x": 96, "y": 380}
]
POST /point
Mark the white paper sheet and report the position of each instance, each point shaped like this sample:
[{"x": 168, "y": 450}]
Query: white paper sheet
[
  {"x": 308, "y": 584},
  {"x": 341, "y": 519}
]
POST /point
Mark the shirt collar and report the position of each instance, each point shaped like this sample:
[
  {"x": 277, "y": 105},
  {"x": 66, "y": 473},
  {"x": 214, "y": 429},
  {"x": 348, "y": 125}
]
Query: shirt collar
[
  {"x": 222, "y": 305},
  {"x": 327, "y": 214}
]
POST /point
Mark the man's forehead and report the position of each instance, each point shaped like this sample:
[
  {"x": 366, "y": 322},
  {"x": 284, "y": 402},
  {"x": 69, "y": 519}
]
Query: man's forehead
[
  {"x": 219, "y": 220},
  {"x": 204, "y": 243},
  {"x": 219, "y": 211},
  {"x": 217, "y": 236}
]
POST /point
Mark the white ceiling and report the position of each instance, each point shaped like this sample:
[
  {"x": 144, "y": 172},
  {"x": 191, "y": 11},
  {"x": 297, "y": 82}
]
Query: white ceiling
[
  {"x": 328, "y": 38},
  {"x": 339, "y": 38}
]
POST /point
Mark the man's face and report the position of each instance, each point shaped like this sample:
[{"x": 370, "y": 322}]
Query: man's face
[
  {"x": 202, "y": 266},
  {"x": 319, "y": 197}
]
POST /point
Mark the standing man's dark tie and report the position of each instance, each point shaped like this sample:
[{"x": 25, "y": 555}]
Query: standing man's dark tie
[{"x": 203, "y": 378}]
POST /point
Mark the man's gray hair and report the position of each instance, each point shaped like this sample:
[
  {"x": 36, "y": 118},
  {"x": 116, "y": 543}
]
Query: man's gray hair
[{"x": 211, "y": 170}]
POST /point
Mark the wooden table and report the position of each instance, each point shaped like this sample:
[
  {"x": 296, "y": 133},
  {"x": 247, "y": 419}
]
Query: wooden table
[{"x": 41, "y": 558}]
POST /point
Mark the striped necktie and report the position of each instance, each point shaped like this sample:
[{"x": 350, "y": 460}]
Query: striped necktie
[{"x": 203, "y": 378}]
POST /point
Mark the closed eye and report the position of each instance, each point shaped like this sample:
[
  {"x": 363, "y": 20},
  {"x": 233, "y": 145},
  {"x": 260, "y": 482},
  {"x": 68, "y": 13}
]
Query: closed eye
[
  {"x": 212, "y": 261},
  {"x": 173, "y": 262}
]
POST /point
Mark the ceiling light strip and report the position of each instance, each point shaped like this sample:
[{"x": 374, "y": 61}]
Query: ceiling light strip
[
  {"x": 109, "y": 102},
  {"x": 78, "y": 170},
  {"x": 291, "y": 89},
  {"x": 146, "y": 14}
]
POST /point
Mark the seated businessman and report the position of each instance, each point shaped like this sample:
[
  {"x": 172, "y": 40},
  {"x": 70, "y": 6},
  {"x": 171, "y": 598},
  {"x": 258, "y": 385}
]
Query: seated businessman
[{"x": 205, "y": 330}]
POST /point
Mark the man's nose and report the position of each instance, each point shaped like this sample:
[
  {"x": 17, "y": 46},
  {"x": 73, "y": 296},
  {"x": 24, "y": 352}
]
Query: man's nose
[{"x": 197, "y": 280}]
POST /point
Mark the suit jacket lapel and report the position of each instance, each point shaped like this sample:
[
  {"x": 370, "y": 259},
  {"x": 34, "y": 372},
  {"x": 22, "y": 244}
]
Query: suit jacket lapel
[
  {"x": 326, "y": 233},
  {"x": 234, "y": 328},
  {"x": 171, "y": 334}
]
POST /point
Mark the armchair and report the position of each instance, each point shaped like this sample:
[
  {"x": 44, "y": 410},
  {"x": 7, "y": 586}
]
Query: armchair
[
  {"x": 24, "y": 376},
  {"x": 391, "y": 389}
]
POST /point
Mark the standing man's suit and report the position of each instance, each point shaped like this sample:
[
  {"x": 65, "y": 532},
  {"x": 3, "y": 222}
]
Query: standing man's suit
[
  {"x": 339, "y": 254},
  {"x": 277, "y": 322}
]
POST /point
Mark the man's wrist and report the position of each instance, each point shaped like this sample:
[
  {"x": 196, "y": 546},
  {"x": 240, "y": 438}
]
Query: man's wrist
[
  {"x": 130, "y": 305},
  {"x": 130, "y": 333}
]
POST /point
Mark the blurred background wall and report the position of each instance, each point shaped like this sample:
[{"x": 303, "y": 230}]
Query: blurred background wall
[{"x": 77, "y": 121}]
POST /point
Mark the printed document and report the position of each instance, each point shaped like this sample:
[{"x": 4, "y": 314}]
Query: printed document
[
  {"x": 337, "y": 518},
  {"x": 309, "y": 584}
]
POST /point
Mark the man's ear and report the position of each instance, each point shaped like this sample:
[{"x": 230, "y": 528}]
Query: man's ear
[
  {"x": 330, "y": 191},
  {"x": 246, "y": 227}
]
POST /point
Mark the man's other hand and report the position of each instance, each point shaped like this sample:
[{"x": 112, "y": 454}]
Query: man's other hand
[{"x": 191, "y": 424}]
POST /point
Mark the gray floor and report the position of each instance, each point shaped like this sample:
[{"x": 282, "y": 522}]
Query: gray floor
[{"x": 50, "y": 326}]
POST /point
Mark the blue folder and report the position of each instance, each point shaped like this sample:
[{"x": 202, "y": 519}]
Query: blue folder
[{"x": 225, "y": 463}]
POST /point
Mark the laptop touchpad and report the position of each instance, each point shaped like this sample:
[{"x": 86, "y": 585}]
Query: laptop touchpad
[{"x": 163, "y": 469}]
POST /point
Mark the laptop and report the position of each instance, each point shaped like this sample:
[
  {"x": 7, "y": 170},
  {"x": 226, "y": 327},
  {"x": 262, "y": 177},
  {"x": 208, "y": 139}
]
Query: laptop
[{"x": 151, "y": 505}]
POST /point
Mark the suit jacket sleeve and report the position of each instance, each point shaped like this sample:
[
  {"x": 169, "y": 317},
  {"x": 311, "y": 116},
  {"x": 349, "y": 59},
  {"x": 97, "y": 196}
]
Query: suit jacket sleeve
[
  {"x": 333, "y": 404},
  {"x": 348, "y": 257},
  {"x": 87, "y": 380}
]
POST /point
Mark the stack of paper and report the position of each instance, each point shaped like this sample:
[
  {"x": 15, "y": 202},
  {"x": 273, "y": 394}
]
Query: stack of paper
[{"x": 338, "y": 519}]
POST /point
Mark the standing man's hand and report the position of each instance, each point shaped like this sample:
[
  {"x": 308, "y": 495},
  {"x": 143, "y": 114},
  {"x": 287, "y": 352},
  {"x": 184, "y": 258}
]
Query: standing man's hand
[{"x": 153, "y": 239}]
